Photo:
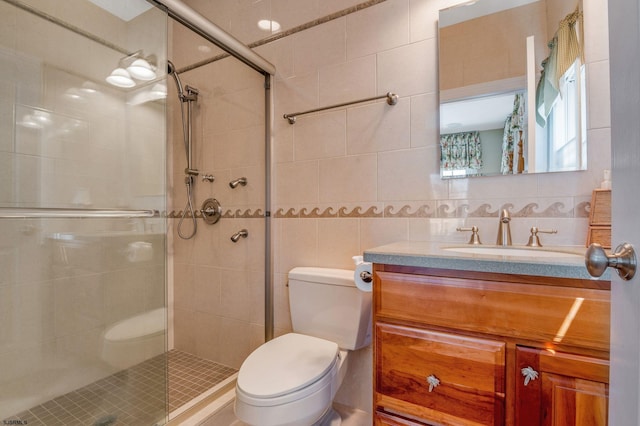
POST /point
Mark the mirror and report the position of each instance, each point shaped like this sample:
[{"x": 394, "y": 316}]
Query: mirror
[{"x": 512, "y": 88}]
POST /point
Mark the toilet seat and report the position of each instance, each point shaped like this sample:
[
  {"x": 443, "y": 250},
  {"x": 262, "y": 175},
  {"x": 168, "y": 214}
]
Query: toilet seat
[
  {"x": 144, "y": 325},
  {"x": 287, "y": 368}
]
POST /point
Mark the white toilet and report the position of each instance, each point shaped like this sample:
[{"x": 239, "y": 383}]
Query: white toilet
[
  {"x": 136, "y": 339},
  {"x": 292, "y": 379}
]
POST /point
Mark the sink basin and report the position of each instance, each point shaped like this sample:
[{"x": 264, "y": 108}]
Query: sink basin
[{"x": 515, "y": 251}]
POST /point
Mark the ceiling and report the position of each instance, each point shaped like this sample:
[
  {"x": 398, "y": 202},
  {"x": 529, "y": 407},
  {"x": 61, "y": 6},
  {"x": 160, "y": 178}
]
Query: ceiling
[
  {"x": 123, "y": 9},
  {"x": 483, "y": 113}
]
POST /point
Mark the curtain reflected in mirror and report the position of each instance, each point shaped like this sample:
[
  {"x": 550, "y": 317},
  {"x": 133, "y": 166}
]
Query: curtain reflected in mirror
[{"x": 513, "y": 74}]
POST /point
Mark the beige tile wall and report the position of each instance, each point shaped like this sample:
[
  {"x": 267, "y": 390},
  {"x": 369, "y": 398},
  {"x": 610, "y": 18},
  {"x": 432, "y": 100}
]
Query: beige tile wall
[
  {"x": 382, "y": 161},
  {"x": 366, "y": 175}
]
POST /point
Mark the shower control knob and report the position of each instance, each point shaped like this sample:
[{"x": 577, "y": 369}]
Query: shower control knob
[{"x": 208, "y": 178}]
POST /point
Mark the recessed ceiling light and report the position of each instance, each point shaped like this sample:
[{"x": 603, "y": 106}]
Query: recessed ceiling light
[{"x": 269, "y": 25}]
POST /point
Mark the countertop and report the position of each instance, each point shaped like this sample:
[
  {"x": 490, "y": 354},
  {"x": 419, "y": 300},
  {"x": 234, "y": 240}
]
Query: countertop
[{"x": 434, "y": 255}]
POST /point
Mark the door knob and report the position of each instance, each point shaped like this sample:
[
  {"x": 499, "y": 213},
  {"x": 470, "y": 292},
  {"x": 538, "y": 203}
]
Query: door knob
[{"x": 623, "y": 260}]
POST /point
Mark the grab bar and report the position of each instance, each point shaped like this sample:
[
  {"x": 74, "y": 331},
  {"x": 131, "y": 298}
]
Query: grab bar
[{"x": 61, "y": 213}]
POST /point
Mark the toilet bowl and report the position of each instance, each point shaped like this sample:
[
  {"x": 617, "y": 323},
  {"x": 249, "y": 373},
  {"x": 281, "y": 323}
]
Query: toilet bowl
[
  {"x": 292, "y": 379},
  {"x": 136, "y": 339}
]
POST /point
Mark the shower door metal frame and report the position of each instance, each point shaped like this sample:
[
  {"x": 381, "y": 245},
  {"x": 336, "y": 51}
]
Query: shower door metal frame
[{"x": 197, "y": 23}]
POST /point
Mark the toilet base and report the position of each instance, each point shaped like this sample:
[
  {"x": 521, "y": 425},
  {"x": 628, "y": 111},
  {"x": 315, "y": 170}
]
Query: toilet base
[{"x": 330, "y": 418}]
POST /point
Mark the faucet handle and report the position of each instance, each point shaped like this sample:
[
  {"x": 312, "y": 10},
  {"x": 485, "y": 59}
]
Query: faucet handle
[
  {"x": 475, "y": 237},
  {"x": 534, "y": 240}
]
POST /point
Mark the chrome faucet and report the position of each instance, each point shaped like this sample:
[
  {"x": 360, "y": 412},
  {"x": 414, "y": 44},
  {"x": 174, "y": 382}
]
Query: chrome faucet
[{"x": 504, "y": 231}]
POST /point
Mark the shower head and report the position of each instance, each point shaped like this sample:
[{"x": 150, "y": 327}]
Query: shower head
[{"x": 171, "y": 69}]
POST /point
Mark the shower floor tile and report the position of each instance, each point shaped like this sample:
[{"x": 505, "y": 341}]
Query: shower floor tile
[{"x": 135, "y": 396}]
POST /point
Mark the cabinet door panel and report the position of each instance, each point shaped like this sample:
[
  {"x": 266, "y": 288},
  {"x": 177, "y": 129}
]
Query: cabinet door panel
[
  {"x": 469, "y": 374},
  {"x": 569, "y": 389}
]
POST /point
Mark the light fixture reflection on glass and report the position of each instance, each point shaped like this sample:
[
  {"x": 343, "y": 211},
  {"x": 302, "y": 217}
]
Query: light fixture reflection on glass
[
  {"x": 74, "y": 94},
  {"x": 120, "y": 78},
  {"x": 140, "y": 69},
  {"x": 29, "y": 122},
  {"x": 159, "y": 91},
  {"x": 269, "y": 25},
  {"x": 89, "y": 87}
]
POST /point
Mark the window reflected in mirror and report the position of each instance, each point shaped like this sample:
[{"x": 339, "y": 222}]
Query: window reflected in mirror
[{"x": 512, "y": 88}]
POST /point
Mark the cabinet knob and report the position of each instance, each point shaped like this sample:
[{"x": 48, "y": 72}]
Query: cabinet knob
[
  {"x": 433, "y": 382},
  {"x": 529, "y": 374}
]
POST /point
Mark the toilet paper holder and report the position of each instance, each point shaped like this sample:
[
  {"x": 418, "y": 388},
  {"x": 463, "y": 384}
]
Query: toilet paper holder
[{"x": 366, "y": 276}]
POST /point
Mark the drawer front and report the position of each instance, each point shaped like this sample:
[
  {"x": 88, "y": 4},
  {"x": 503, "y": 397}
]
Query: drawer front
[
  {"x": 517, "y": 310},
  {"x": 383, "y": 419},
  {"x": 440, "y": 377}
]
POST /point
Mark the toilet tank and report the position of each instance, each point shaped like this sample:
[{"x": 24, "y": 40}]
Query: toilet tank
[{"x": 326, "y": 303}]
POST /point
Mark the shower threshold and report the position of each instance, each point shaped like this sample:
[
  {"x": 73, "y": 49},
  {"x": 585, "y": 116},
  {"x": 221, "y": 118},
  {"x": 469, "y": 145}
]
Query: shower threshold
[{"x": 136, "y": 396}]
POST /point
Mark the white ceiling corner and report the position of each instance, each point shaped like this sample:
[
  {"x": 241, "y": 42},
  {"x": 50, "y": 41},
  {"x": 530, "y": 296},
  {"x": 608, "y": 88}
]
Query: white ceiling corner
[{"x": 123, "y": 9}]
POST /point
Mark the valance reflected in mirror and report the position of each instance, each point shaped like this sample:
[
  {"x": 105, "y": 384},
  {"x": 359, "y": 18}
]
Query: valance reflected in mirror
[{"x": 512, "y": 88}]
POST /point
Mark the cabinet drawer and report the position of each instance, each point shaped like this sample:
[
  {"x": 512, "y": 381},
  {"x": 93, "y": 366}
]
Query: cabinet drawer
[
  {"x": 515, "y": 310},
  {"x": 470, "y": 373}
]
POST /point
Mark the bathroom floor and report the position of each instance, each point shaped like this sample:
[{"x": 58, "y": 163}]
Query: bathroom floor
[
  {"x": 350, "y": 417},
  {"x": 135, "y": 396}
]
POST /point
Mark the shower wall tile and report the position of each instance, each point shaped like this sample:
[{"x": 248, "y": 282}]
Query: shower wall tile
[
  {"x": 425, "y": 125},
  {"x": 244, "y": 153},
  {"x": 186, "y": 326},
  {"x": 348, "y": 179},
  {"x": 338, "y": 241},
  {"x": 280, "y": 54},
  {"x": 291, "y": 13},
  {"x": 235, "y": 300},
  {"x": 408, "y": 70},
  {"x": 376, "y": 29},
  {"x": 423, "y": 19},
  {"x": 320, "y": 136},
  {"x": 412, "y": 183},
  {"x": 379, "y": 127},
  {"x": 598, "y": 95},
  {"x": 599, "y": 149},
  {"x": 347, "y": 81},
  {"x": 235, "y": 339},
  {"x": 319, "y": 47},
  {"x": 233, "y": 111},
  {"x": 298, "y": 93},
  {"x": 207, "y": 343},
  {"x": 596, "y": 30},
  {"x": 299, "y": 243},
  {"x": 297, "y": 183}
]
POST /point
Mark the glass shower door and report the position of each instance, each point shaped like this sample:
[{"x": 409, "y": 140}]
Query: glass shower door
[{"x": 82, "y": 202}]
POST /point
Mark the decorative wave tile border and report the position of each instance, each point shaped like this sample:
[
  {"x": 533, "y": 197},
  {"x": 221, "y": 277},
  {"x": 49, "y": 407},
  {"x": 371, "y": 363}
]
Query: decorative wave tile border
[
  {"x": 448, "y": 209},
  {"x": 445, "y": 210},
  {"x": 226, "y": 214}
]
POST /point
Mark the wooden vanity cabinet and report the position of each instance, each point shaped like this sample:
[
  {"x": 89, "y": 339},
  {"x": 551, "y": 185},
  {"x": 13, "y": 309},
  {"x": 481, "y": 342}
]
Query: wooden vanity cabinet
[{"x": 450, "y": 348}]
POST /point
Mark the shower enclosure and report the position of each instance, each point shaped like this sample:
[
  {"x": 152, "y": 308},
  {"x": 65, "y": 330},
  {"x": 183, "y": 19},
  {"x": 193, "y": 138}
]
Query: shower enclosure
[
  {"x": 82, "y": 192},
  {"x": 90, "y": 197}
]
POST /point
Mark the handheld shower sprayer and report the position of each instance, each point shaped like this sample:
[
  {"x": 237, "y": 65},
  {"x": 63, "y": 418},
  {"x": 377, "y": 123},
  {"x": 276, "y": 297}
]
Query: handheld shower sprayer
[{"x": 189, "y": 98}]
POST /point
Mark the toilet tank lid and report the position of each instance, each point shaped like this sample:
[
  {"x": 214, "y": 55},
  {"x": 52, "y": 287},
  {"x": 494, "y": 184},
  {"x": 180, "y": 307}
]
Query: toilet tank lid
[
  {"x": 286, "y": 364},
  {"x": 331, "y": 276}
]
